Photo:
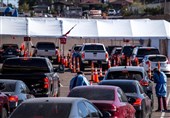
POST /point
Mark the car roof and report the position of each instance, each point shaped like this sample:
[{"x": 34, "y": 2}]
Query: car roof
[
  {"x": 93, "y": 44},
  {"x": 55, "y": 100},
  {"x": 9, "y": 80},
  {"x": 146, "y": 47},
  {"x": 155, "y": 55},
  {"x": 129, "y": 68},
  {"x": 93, "y": 87}
]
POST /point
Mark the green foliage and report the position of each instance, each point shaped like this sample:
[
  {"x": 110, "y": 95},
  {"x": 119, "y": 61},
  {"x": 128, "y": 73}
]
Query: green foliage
[{"x": 154, "y": 11}]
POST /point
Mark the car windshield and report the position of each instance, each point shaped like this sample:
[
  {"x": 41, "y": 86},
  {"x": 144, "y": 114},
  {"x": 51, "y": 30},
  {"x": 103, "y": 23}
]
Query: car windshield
[
  {"x": 135, "y": 75},
  {"x": 43, "y": 110},
  {"x": 48, "y": 46},
  {"x": 158, "y": 58},
  {"x": 93, "y": 47},
  {"x": 143, "y": 52},
  {"x": 7, "y": 87},
  {"x": 95, "y": 94}
]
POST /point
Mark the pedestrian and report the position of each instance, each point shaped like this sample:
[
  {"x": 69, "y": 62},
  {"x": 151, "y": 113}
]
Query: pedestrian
[
  {"x": 161, "y": 88},
  {"x": 79, "y": 80}
]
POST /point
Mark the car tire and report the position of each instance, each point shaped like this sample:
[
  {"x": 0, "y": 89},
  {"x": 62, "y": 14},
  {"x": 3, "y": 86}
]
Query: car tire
[{"x": 4, "y": 113}]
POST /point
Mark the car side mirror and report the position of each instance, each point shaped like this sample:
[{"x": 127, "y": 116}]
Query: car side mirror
[
  {"x": 106, "y": 114},
  {"x": 69, "y": 50},
  {"x": 32, "y": 46},
  {"x": 57, "y": 47},
  {"x": 60, "y": 68}
]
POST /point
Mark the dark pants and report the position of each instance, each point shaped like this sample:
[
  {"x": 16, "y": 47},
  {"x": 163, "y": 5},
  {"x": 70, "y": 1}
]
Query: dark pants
[{"x": 160, "y": 100}]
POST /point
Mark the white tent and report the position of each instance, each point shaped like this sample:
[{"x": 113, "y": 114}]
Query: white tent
[{"x": 86, "y": 28}]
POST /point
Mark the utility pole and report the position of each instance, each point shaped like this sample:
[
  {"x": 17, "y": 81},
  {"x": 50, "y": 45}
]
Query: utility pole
[{"x": 165, "y": 7}]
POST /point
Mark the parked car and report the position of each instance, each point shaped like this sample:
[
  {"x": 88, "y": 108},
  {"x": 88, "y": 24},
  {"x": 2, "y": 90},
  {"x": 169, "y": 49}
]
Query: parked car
[
  {"x": 140, "y": 52},
  {"x": 133, "y": 90},
  {"x": 111, "y": 12},
  {"x": 107, "y": 99},
  {"x": 46, "y": 49},
  {"x": 74, "y": 51},
  {"x": 4, "y": 106},
  {"x": 62, "y": 107},
  {"x": 132, "y": 73},
  {"x": 8, "y": 51},
  {"x": 154, "y": 59},
  {"x": 16, "y": 90}
]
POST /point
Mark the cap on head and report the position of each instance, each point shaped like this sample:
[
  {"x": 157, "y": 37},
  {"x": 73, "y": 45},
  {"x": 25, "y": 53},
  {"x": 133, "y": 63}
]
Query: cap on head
[
  {"x": 80, "y": 72},
  {"x": 155, "y": 70}
]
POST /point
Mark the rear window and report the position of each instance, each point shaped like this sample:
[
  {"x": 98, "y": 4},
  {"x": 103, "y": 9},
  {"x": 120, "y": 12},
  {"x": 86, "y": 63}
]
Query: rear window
[
  {"x": 127, "y": 88},
  {"x": 157, "y": 58},
  {"x": 142, "y": 52},
  {"x": 9, "y": 46},
  {"x": 25, "y": 65},
  {"x": 117, "y": 51},
  {"x": 43, "y": 110},
  {"x": 43, "y": 46},
  {"x": 77, "y": 48},
  {"x": 7, "y": 87},
  {"x": 127, "y": 50},
  {"x": 100, "y": 94},
  {"x": 93, "y": 47},
  {"x": 125, "y": 75}
]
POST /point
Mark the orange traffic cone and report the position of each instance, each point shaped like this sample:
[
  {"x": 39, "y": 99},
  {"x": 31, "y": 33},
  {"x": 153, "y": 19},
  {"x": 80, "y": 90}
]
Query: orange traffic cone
[
  {"x": 92, "y": 70},
  {"x": 95, "y": 77},
  {"x": 109, "y": 64},
  {"x": 100, "y": 73},
  {"x": 78, "y": 64},
  {"x": 137, "y": 61},
  {"x": 149, "y": 70},
  {"x": 74, "y": 65}
]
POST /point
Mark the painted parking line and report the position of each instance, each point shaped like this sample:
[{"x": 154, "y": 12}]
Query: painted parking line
[{"x": 163, "y": 113}]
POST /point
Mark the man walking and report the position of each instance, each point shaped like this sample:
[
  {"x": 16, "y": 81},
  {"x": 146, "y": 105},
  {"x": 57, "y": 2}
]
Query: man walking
[{"x": 79, "y": 80}]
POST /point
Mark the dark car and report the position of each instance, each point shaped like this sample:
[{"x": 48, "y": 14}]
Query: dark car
[
  {"x": 126, "y": 54},
  {"x": 4, "y": 106},
  {"x": 16, "y": 90},
  {"x": 132, "y": 73},
  {"x": 9, "y": 50},
  {"x": 134, "y": 92},
  {"x": 62, "y": 107},
  {"x": 107, "y": 98}
]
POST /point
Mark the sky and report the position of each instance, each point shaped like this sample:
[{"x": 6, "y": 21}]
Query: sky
[{"x": 13, "y": 2}]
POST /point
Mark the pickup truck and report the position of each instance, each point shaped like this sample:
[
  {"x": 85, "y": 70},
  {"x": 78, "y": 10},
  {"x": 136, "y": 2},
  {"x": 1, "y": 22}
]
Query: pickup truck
[
  {"x": 47, "y": 49},
  {"x": 93, "y": 52},
  {"x": 37, "y": 72}
]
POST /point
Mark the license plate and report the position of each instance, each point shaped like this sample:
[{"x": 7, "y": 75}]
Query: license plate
[
  {"x": 9, "y": 52},
  {"x": 54, "y": 57}
]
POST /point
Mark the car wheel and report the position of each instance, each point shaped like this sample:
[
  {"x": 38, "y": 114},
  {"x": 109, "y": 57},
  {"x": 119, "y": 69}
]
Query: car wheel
[{"x": 4, "y": 113}]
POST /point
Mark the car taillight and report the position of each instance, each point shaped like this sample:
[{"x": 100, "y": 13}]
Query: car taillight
[
  {"x": 82, "y": 55},
  {"x": 46, "y": 82},
  {"x": 138, "y": 101},
  {"x": 107, "y": 55},
  {"x": 144, "y": 82},
  {"x": 56, "y": 52},
  {"x": 147, "y": 62},
  {"x": 13, "y": 98},
  {"x": 111, "y": 108},
  {"x": 1, "y": 50}
]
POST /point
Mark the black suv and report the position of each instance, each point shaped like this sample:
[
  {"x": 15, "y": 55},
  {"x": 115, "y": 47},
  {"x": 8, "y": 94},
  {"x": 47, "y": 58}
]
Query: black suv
[{"x": 8, "y": 51}]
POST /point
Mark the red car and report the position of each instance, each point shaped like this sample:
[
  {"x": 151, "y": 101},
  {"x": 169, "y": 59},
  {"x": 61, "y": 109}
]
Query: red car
[
  {"x": 4, "y": 106},
  {"x": 107, "y": 98}
]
